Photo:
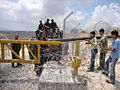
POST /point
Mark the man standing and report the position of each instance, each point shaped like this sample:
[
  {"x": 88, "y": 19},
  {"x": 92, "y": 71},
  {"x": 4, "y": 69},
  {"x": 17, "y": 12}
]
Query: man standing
[
  {"x": 43, "y": 57},
  {"x": 16, "y": 48},
  {"x": 103, "y": 43},
  {"x": 115, "y": 53},
  {"x": 94, "y": 51}
]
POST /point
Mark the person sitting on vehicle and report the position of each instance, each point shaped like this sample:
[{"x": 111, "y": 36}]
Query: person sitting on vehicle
[
  {"x": 53, "y": 25},
  {"x": 38, "y": 34},
  {"x": 47, "y": 23},
  {"x": 61, "y": 34},
  {"x": 40, "y": 29},
  {"x": 47, "y": 27},
  {"x": 40, "y": 26}
]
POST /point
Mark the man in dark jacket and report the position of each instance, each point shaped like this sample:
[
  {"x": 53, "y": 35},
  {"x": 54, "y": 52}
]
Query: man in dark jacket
[
  {"x": 38, "y": 34},
  {"x": 47, "y": 27},
  {"x": 16, "y": 48},
  {"x": 54, "y": 28},
  {"x": 47, "y": 23},
  {"x": 40, "y": 27},
  {"x": 53, "y": 24}
]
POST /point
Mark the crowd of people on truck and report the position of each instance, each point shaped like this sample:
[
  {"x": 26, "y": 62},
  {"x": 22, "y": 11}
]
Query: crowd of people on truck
[
  {"x": 43, "y": 33},
  {"x": 50, "y": 28}
]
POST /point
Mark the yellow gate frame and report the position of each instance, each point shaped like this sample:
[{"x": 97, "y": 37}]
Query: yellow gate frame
[
  {"x": 76, "y": 60},
  {"x": 23, "y": 43}
]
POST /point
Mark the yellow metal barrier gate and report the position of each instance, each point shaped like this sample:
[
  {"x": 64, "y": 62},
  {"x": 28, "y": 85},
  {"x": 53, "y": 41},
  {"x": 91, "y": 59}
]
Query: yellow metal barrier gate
[
  {"x": 24, "y": 43},
  {"x": 76, "y": 60}
]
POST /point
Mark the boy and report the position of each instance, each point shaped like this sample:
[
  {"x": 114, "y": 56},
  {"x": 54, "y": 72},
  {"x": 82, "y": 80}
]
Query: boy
[
  {"x": 115, "y": 51},
  {"x": 103, "y": 43},
  {"x": 94, "y": 50}
]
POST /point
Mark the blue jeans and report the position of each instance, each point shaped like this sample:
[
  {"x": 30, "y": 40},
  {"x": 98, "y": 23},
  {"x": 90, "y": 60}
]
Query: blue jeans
[
  {"x": 112, "y": 68},
  {"x": 93, "y": 56}
]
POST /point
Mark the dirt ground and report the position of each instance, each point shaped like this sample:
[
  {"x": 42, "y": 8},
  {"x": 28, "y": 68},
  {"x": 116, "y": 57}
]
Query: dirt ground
[{"x": 24, "y": 78}]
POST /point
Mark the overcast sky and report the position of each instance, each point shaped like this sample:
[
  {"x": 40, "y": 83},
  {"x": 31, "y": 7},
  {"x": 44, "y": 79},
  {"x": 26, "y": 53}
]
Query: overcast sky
[{"x": 25, "y": 14}]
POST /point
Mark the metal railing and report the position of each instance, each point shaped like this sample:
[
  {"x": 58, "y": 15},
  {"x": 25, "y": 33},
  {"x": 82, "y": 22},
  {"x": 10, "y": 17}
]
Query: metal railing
[{"x": 24, "y": 44}]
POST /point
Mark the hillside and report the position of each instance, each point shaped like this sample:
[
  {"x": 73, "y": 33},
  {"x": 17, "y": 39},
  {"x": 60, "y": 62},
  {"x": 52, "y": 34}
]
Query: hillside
[{"x": 11, "y": 34}]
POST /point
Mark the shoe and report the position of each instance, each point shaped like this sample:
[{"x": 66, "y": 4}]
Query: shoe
[
  {"x": 38, "y": 74},
  {"x": 110, "y": 82},
  {"x": 18, "y": 64},
  {"x": 104, "y": 73},
  {"x": 99, "y": 68}
]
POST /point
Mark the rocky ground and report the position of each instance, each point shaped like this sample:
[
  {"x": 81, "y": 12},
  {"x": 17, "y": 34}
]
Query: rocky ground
[{"x": 24, "y": 78}]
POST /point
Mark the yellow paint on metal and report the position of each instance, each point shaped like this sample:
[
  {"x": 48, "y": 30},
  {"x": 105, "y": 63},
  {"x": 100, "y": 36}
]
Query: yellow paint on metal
[
  {"x": 38, "y": 53},
  {"x": 23, "y": 52},
  {"x": 23, "y": 43},
  {"x": 18, "y": 61},
  {"x": 77, "y": 48},
  {"x": 32, "y": 42},
  {"x": 76, "y": 61},
  {"x": 2, "y": 51}
]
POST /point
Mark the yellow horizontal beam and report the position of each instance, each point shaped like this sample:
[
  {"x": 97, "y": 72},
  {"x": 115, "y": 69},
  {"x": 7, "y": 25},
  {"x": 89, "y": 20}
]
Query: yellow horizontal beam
[
  {"x": 31, "y": 42},
  {"x": 19, "y": 61}
]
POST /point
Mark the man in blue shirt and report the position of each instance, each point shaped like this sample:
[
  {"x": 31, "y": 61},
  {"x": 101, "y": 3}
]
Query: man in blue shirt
[{"x": 115, "y": 51}]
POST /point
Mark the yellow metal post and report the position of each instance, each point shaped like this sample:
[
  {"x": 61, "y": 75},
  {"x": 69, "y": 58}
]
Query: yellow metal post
[
  {"x": 76, "y": 61},
  {"x": 38, "y": 61},
  {"x": 77, "y": 48},
  {"x": 23, "y": 52},
  {"x": 2, "y": 51}
]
